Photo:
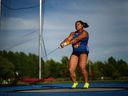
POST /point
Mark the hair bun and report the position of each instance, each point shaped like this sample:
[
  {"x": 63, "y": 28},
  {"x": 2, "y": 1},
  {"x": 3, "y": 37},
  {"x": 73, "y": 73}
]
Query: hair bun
[{"x": 85, "y": 25}]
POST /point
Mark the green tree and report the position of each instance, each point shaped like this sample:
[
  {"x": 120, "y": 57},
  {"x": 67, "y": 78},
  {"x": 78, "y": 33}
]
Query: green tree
[
  {"x": 52, "y": 68},
  {"x": 111, "y": 68},
  {"x": 64, "y": 67},
  {"x": 122, "y": 67},
  {"x": 96, "y": 70},
  {"x": 6, "y": 69}
]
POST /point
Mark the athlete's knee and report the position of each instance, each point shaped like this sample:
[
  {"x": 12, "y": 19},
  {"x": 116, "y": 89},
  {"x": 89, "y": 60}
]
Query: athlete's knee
[
  {"x": 71, "y": 70},
  {"x": 82, "y": 68}
]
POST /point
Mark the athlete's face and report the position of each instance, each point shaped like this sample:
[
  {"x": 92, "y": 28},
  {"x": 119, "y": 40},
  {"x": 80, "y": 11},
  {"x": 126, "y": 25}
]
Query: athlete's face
[{"x": 78, "y": 26}]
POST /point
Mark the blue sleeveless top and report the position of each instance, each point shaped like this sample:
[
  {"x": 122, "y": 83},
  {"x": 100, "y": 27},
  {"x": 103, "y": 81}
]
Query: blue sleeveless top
[{"x": 82, "y": 45}]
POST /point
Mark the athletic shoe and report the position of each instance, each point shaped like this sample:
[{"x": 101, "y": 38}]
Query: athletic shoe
[
  {"x": 74, "y": 85},
  {"x": 86, "y": 85}
]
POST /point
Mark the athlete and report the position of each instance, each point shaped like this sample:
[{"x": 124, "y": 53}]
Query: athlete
[{"x": 79, "y": 56}]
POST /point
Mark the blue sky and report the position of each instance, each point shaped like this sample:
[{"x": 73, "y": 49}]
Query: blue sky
[{"x": 107, "y": 19}]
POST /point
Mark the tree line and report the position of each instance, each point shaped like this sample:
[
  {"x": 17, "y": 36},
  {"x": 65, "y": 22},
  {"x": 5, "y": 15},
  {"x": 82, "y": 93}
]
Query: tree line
[{"x": 24, "y": 65}]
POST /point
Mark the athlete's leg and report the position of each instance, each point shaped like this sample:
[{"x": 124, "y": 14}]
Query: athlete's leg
[
  {"x": 72, "y": 67},
  {"x": 82, "y": 64}
]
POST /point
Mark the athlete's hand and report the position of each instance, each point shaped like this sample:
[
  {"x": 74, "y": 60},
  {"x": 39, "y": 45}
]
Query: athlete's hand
[{"x": 63, "y": 44}]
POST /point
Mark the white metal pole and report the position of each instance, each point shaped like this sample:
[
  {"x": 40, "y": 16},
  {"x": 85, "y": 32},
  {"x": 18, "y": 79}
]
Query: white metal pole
[
  {"x": 0, "y": 9},
  {"x": 0, "y": 13},
  {"x": 40, "y": 34}
]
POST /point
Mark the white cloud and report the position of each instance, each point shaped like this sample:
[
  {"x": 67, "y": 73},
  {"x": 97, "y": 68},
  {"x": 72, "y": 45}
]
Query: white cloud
[{"x": 19, "y": 23}]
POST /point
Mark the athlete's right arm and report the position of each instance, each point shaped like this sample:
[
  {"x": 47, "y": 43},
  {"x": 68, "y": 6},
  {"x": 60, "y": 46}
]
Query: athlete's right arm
[
  {"x": 80, "y": 37},
  {"x": 67, "y": 40}
]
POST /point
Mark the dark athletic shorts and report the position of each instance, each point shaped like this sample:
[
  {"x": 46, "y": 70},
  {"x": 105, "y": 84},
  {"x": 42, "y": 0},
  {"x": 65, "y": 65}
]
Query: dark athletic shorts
[{"x": 78, "y": 53}]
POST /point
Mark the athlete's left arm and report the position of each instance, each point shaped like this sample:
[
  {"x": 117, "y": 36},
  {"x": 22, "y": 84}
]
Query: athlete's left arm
[{"x": 80, "y": 37}]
